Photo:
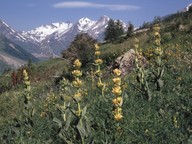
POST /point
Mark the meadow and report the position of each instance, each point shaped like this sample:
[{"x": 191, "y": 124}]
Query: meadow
[{"x": 62, "y": 101}]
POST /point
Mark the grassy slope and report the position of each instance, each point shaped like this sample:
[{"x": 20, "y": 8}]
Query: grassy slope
[{"x": 144, "y": 122}]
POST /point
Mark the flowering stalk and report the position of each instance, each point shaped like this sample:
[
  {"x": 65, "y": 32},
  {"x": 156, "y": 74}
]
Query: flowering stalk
[
  {"x": 158, "y": 52},
  {"x": 28, "y": 111},
  {"x": 77, "y": 83},
  {"x": 141, "y": 72},
  {"x": 98, "y": 73},
  {"x": 117, "y": 91},
  {"x": 65, "y": 99}
]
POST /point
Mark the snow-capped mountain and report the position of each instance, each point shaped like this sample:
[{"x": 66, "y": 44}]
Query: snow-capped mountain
[
  {"x": 187, "y": 8},
  {"x": 50, "y": 40},
  {"x": 55, "y": 37},
  {"x": 41, "y": 33}
]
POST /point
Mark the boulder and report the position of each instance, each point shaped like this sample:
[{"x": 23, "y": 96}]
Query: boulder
[{"x": 125, "y": 62}]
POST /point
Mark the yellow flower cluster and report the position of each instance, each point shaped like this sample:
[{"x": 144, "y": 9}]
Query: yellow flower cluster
[
  {"x": 27, "y": 84},
  {"x": 98, "y": 61},
  {"x": 175, "y": 122},
  {"x": 157, "y": 42},
  {"x": 77, "y": 64},
  {"x": 138, "y": 53},
  {"x": 77, "y": 73},
  {"x": 50, "y": 100},
  {"x": 117, "y": 91},
  {"x": 77, "y": 83}
]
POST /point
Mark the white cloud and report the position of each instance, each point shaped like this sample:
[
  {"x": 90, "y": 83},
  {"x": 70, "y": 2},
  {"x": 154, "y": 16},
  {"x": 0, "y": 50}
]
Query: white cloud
[{"x": 79, "y": 4}]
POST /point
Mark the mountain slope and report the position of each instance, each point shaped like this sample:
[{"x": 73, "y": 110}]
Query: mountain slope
[{"x": 12, "y": 55}]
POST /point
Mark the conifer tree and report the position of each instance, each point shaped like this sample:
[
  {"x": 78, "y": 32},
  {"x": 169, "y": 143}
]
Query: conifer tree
[
  {"x": 114, "y": 30},
  {"x": 130, "y": 29}
]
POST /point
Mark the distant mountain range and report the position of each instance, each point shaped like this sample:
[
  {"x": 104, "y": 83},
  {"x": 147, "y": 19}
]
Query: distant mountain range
[{"x": 49, "y": 40}]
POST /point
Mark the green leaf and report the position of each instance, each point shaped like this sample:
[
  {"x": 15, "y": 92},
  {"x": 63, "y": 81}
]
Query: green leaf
[
  {"x": 69, "y": 119},
  {"x": 81, "y": 129},
  {"x": 84, "y": 111},
  {"x": 57, "y": 121},
  {"x": 160, "y": 83},
  {"x": 162, "y": 71},
  {"x": 190, "y": 140}
]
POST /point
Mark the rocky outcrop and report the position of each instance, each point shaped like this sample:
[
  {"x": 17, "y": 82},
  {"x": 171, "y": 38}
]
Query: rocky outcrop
[{"x": 125, "y": 62}]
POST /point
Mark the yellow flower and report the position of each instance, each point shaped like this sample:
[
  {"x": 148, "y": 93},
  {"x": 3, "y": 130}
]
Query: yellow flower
[
  {"x": 27, "y": 83},
  {"x": 98, "y": 61},
  {"x": 117, "y": 81},
  {"x": 77, "y": 95},
  {"x": 117, "y": 90},
  {"x": 77, "y": 73},
  {"x": 25, "y": 75},
  {"x": 156, "y": 28},
  {"x": 136, "y": 46},
  {"x": 98, "y": 53},
  {"x": 157, "y": 42},
  {"x": 157, "y": 34},
  {"x": 118, "y": 117},
  {"x": 118, "y": 101},
  {"x": 117, "y": 72},
  {"x": 77, "y": 83},
  {"x": 77, "y": 63},
  {"x": 97, "y": 47}
]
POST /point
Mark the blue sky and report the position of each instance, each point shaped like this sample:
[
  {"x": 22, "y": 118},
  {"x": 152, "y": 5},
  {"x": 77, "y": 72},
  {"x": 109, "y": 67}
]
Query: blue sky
[{"x": 28, "y": 14}]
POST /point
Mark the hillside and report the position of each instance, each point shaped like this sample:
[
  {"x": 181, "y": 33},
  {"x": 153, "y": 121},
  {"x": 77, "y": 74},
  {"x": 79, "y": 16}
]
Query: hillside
[
  {"x": 152, "y": 103},
  {"x": 12, "y": 55}
]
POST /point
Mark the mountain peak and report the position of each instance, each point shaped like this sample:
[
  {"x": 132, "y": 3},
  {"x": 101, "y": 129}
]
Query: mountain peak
[
  {"x": 187, "y": 8},
  {"x": 84, "y": 24}
]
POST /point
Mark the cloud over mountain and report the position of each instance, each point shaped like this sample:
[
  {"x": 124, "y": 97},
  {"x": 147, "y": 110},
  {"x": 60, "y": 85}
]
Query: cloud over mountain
[{"x": 80, "y": 4}]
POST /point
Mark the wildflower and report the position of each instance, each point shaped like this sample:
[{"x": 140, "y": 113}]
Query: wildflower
[
  {"x": 118, "y": 101},
  {"x": 77, "y": 63},
  {"x": 97, "y": 47},
  {"x": 77, "y": 73},
  {"x": 25, "y": 75},
  {"x": 175, "y": 121},
  {"x": 77, "y": 95},
  {"x": 157, "y": 42},
  {"x": 117, "y": 90},
  {"x": 97, "y": 53},
  {"x": 156, "y": 28},
  {"x": 77, "y": 83},
  {"x": 117, "y": 72},
  {"x": 136, "y": 46},
  {"x": 98, "y": 61},
  {"x": 118, "y": 117},
  {"x": 157, "y": 34},
  {"x": 117, "y": 81}
]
